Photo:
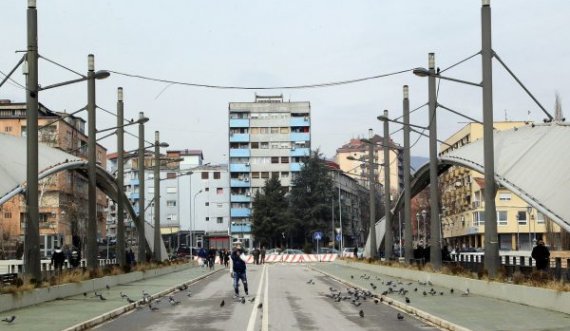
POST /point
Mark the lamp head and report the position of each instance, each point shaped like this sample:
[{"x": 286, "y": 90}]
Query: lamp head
[
  {"x": 421, "y": 72},
  {"x": 142, "y": 120},
  {"x": 382, "y": 117},
  {"x": 424, "y": 213},
  {"x": 370, "y": 133},
  {"x": 102, "y": 74},
  {"x": 431, "y": 60},
  {"x": 90, "y": 62},
  {"x": 120, "y": 94},
  {"x": 164, "y": 144},
  {"x": 31, "y": 3},
  {"x": 406, "y": 92}
]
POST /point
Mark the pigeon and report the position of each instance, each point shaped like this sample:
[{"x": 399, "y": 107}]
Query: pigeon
[
  {"x": 123, "y": 295},
  {"x": 129, "y": 300},
  {"x": 407, "y": 300},
  {"x": 260, "y": 305},
  {"x": 222, "y": 303},
  {"x": 242, "y": 300},
  {"x": 425, "y": 293},
  {"x": 376, "y": 301},
  {"x": 451, "y": 291},
  {"x": 310, "y": 281},
  {"x": 361, "y": 313},
  {"x": 440, "y": 293},
  {"x": 357, "y": 304},
  {"x": 97, "y": 294},
  {"x": 400, "y": 316},
  {"x": 415, "y": 289},
  {"x": 108, "y": 287},
  {"x": 381, "y": 299},
  {"x": 251, "y": 300},
  {"x": 429, "y": 283},
  {"x": 101, "y": 297},
  {"x": 9, "y": 319},
  {"x": 145, "y": 294},
  {"x": 189, "y": 294},
  {"x": 151, "y": 307},
  {"x": 84, "y": 294},
  {"x": 173, "y": 301},
  {"x": 465, "y": 293},
  {"x": 351, "y": 277}
]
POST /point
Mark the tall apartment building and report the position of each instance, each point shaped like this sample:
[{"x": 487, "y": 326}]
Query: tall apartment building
[
  {"x": 358, "y": 168},
  {"x": 268, "y": 138},
  {"x": 63, "y": 196},
  {"x": 462, "y": 197}
]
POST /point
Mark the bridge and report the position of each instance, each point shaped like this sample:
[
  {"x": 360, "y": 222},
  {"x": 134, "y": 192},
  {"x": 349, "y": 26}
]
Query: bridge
[{"x": 531, "y": 161}]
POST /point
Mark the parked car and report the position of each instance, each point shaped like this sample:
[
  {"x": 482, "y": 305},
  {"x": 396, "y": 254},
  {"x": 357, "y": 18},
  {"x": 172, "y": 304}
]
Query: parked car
[
  {"x": 292, "y": 251},
  {"x": 273, "y": 251},
  {"x": 328, "y": 250},
  {"x": 349, "y": 252}
]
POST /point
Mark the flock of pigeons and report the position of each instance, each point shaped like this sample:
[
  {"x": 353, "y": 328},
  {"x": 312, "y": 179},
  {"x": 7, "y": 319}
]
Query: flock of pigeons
[{"x": 358, "y": 296}]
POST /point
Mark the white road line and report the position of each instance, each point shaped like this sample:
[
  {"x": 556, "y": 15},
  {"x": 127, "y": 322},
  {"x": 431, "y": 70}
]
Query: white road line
[
  {"x": 253, "y": 316},
  {"x": 265, "y": 319}
]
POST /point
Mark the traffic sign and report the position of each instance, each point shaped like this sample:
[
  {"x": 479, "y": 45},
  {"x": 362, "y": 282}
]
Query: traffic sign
[
  {"x": 338, "y": 237},
  {"x": 317, "y": 235}
]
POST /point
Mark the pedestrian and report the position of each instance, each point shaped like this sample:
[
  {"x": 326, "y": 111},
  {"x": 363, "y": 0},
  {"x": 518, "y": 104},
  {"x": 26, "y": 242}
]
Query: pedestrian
[
  {"x": 211, "y": 258},
  {"x": 226, "y": 258},
  {"x": 75, "y": 259},
  {"x": 355, "y": 252},
  {"x": 541, "y": 255},
  {"x": 238, "y": 271},
  {"x": 263, "y": 254},
  {"x": 57, "y": 260},
  {"x": 256, "y": 253},
  {"x": 221, "y": 256},
  {"x": 203, "y": 256}
]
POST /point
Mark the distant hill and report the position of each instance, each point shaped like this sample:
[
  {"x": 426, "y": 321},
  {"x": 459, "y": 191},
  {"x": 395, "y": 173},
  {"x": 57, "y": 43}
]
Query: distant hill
[{"x": 417, "y": 162}]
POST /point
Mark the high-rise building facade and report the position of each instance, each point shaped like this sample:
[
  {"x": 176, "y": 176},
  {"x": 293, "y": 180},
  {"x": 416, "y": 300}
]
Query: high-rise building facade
[{"x": 268, "y": 138}]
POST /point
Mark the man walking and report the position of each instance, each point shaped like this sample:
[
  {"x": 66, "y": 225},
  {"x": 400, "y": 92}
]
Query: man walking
[
  {"x": 262, "y": 254},
  {"x": 238, "y": 271},
  {"x": 541, "y": 255}
]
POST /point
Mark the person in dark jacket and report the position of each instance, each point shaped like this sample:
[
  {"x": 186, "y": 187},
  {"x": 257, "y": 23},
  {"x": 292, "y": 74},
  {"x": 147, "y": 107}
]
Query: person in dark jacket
[
  {"x": 239, "y": 271},
  {"x": 541, "y": 255},
  {"x": 57, "y": 260}
]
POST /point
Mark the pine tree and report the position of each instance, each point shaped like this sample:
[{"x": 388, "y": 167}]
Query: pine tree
[{"x": 270, "y": 213}]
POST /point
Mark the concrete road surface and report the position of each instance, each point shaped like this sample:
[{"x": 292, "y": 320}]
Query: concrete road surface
[{"x": 282, "y": 299}]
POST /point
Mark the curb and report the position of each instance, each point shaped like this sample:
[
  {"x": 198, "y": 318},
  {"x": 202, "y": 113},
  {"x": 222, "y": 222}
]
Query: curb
[
  {"x": 85, "y": 325},
  {"x": 425, "y": 316}
]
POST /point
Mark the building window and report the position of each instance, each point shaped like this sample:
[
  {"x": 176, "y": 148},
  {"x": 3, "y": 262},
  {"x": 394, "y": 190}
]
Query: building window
[
  {"x": 502, "y": 217},
  {"x": 478, "y": 218},
  {"x": 207, "y": 189},
  {"x": 274, "y": 130},
  {"x": 255, "y": 145},
  {"x": 205, "y": 175},
  {"x": 170, "y": 175},
  {"x": 284, "y": 130},
  {"x": 207, "y": 219},
  {"x": 7, "y": 214},
  {"x": 171, "y": 190},
  {"x": 264, "y": 145},
  {"x": 220, "y": 220},
  {"x": 265, "y": 174},
  {"x": 539, "y": 218},
  {"x": 8, "y": 129},
  {"x": 284, "y": 174},
  {"x": 274, "y": 159},
  {"x": 255, "y": 174},
  {"x": 217, "y": 175},
  {"x": 171, "y": 203},
  {"x": 219, "y": 191},
  {"x": 505, "y": 196},
  {"x": 521, "y": 217},
  {"x": 275, "y": 174},
  {"x": 206, "y": 204},
  {"x": 284, "y": 159},
  {"x": 151, "y": 176},
  {"x": 171, "y": 217}
]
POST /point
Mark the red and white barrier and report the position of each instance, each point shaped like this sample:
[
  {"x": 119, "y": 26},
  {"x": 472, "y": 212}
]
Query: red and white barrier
[{"x": 285, "y": 258}]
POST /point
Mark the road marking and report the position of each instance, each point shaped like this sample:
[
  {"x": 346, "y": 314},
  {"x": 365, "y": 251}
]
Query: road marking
[
  {"x": 265, "y": 319},
  {"x": 253, "y": 316}
]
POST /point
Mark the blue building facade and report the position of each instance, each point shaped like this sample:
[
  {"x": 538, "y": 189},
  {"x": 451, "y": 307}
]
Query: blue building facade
[{"x": 268, "y": 138}]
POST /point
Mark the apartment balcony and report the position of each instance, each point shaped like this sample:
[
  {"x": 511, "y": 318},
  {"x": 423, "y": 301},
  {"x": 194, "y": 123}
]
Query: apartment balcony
[
  {"x": 241, "y": 228},
  {"x": 300, "y": 121},
  {"x": 239, "y": 137},
  {"x": 240, "y": 212},
  {"x": 239, "y": 123},
  {"x": 240, "y": 198},
  {"x": 300, "y": 151},
  {"x": 240, "y": 183},
  {"x": 295, "y": 166},
  {"x": 240, "y": 167},
  {"x": 299, "y": 136},
  {"x": 239, "y": 152}
]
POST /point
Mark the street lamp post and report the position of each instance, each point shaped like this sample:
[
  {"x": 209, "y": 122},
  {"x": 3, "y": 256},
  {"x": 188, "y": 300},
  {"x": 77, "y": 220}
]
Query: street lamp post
[
  {"x": 407, "y": 186},
  {"x": 120, "y": 244},
  {"x": 418, "y": 227},
  {"x": 372, "y": 197},
  {"x": 193, "y": 218},
  {"x": 157, "y": 252},
  {"x": 92, "y": 262},
  {"x": 32, "y": 262},
  {"x": 141, "y": 228},
  {"x": 389, "y": 233},
  {"x": 424, "y": 216},
  {"x": 529, "y": 210}
]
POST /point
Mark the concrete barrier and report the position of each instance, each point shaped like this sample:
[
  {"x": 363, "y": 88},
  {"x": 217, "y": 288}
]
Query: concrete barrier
[
  {"x": 526, "y": 295},
  {"x": 25, "y": 299}
]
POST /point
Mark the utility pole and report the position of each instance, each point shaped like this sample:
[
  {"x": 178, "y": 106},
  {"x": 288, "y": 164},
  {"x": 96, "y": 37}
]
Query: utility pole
[
  {"x": 372, "y": 203},
  {"x": 492, "y": 260},
  {"x": 92, "y": 262},
  {"x": 140, "y": 229},
  {"x": 408, "y": 249},
  {"x": 32, "y": 263},
  {"x": 435, "y": 241},
  {"x": 389, "y": 233},
  {"x": 157, "y": 253},
  {"x": 120, "y": 242}
]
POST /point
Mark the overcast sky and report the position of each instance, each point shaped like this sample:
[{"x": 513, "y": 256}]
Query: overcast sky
[{"x": 289, "y": 42}]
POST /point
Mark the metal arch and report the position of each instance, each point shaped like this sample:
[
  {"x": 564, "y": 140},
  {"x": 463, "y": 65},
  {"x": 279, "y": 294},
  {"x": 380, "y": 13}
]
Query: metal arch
[{"x": 105, "y": 182}]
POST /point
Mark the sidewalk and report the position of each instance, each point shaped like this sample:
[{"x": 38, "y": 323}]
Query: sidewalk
[
  {"x": 470, "y": 312},
  {"x": 73, "y": 311}
]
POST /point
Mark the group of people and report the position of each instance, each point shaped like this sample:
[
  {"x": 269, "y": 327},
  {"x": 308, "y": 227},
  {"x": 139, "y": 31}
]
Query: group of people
[
  {"x": 257, "y": 253},
  {"x": 59, "y": 256}
]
